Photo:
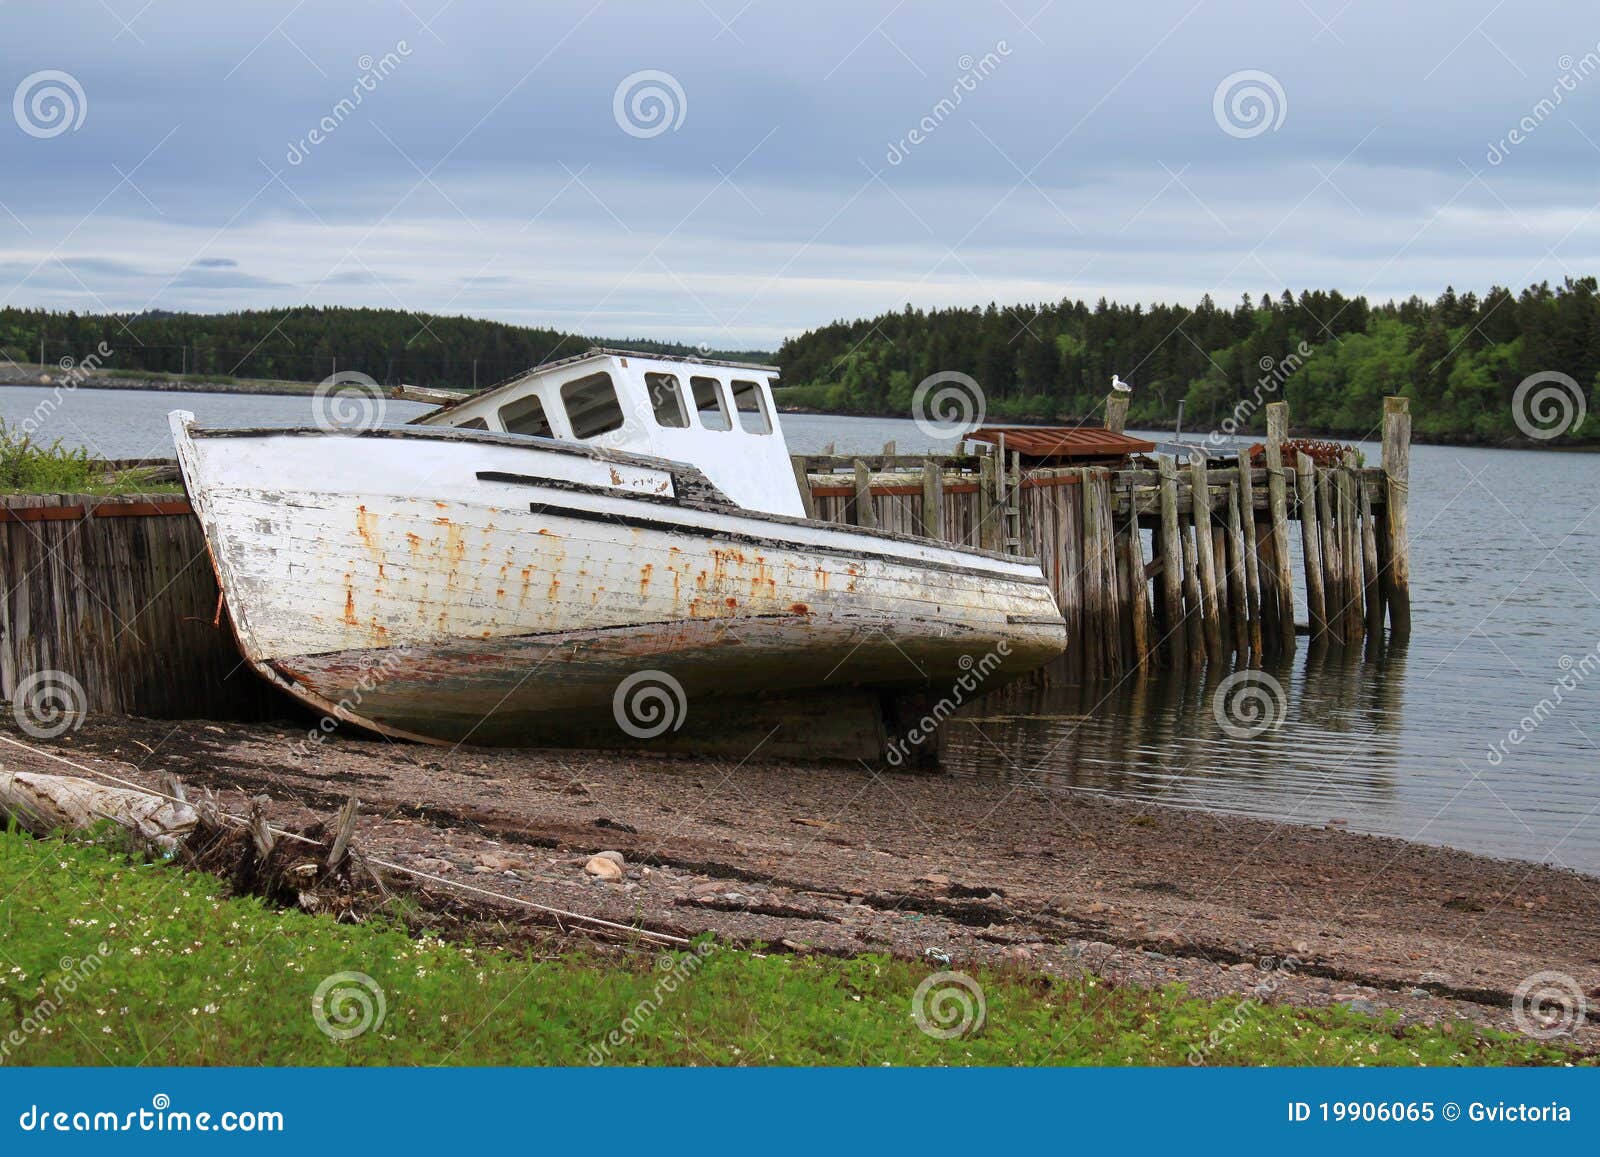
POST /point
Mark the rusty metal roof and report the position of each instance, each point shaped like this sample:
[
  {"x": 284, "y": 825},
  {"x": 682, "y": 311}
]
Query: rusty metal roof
[{"x": 1063, "y": 442}]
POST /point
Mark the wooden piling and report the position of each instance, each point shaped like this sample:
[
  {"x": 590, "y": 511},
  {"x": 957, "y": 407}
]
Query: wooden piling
[
  {"x": 864, "y": 514},
  {"x": 1397, "y": 482},
  {"x": 1171, "y": 554},
  {"x": 1138, "y": 586},
  {"x": 1205, "y": 550},
  {"x": 1355, "y": 587},
  {"x": 1332, "y": 556},
  {"x": 1238, "y": 597},
  {"x": 1193, "y": 622},
  {"x": 1311, "y": 547},
  {"x": 1116, "y": 411},
  {"x": 1369, "y": 560},
  {"x": 990, "y": 532},
  {"x": 932, "y": 499},
  {"x": 1278, "y": 501},
  {"x": 1252, "y": 569},
  {"x": 802, "y": 479}
]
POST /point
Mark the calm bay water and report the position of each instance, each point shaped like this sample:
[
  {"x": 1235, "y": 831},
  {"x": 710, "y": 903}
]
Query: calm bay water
[{"x": 1506, "y": 573}]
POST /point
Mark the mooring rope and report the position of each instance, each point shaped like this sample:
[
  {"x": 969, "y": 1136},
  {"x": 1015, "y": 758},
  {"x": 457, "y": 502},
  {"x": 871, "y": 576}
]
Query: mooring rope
[{"x": 663, "y": 937}]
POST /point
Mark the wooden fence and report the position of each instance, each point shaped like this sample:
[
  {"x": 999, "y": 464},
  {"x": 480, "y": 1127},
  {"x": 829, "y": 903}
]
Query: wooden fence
[{"x": 117, "y": 595}]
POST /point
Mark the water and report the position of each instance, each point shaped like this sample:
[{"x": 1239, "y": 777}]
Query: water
[{"x": 1413, "y": 743}]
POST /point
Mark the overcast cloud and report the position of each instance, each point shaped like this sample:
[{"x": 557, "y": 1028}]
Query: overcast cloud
[{"x": 484, "y": 168}]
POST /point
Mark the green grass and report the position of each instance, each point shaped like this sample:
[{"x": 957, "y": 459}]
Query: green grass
[
  {"x": 31, "y": 467},
  {"x": 178, "y": 974}
]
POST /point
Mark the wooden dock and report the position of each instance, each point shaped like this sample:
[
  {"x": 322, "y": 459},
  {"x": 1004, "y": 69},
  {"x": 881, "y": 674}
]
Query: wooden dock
[{"x": 1148, "y": 574}]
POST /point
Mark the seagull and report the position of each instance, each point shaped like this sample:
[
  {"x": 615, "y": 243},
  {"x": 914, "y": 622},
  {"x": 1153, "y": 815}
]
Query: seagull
[{"x": 1121, "y": 386}]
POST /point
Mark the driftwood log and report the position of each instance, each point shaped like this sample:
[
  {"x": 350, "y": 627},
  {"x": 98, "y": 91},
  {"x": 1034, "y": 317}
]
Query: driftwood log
[{"x": 42, "y": 804}]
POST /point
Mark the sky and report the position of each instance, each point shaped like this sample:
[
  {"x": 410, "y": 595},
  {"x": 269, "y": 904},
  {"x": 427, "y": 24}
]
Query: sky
[{"x": 732, "y": 172}]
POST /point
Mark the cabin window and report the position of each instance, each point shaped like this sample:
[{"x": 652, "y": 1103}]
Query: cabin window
[
  {"x": 472, "y": 424},
  {"x": 666, "y": 400},
  {"x": 752, "y": 409},
  {"x": 526, "y": 416},
  {"x": 592, "y": 406},
  {"x": 709, "y": 405}
]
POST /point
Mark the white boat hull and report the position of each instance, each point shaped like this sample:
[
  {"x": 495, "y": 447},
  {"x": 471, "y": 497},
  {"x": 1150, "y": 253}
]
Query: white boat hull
[{"x": 457, "y": 586}]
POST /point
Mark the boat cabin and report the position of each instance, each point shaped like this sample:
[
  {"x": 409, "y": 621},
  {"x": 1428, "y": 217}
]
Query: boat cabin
[{"x": 714, "y": 415}]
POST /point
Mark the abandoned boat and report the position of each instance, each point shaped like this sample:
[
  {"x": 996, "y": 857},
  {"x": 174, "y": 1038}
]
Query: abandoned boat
[{"x": 609, "y": 551}]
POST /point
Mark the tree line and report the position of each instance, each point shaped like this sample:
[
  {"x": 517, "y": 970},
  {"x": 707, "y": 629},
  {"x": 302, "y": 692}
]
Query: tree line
[
  {"x": 308, "y": 343},
  {"x": 1461, "y": 359}
]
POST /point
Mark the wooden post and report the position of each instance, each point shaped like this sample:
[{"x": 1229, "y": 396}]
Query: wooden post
[
  {"x": 1332, "y": 558},
  {"x": 1311, "y": 547},
  {"x": 1010, "y": 494},
  {"x": 1397, "y": 479},
  {"x": 1350, "y": 547},
  {"x": 865, "y": 516},
  {"x": 1193, "y": 620},
  {"x": 932, "y": 499},
  {"x": 1238, "y": 597},
  {"x": 1252, "y": 570},
  {"x": 1171, "y": 554},
  {"x": 888, "y": 450},
  {"x": 1277, "y": 497},
  {"x": 1096, "y": 610},
  {"x": 802, "y": 479},
  {"x": 1138, "y": 586},
  {"x": 1369, "y": 559},
  {"x": 1200, "y": 510},
  {"x": 1116, "y": 411},
  {"x": 989, "y": 529}
]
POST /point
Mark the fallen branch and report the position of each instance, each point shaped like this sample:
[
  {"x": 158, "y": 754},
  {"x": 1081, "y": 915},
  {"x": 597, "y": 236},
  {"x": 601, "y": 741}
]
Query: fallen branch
[{"x": 42, "y": 804}]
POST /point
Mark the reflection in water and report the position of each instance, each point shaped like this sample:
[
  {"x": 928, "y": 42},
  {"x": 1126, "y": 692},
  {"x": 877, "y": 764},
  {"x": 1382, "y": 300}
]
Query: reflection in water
[{"x": 1326, "y": 747}]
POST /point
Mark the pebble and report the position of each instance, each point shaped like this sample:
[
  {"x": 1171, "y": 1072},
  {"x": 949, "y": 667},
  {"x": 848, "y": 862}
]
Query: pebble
[
  {"x": 1365, "y": 1007},
  {"x": 605, "y": 866}
]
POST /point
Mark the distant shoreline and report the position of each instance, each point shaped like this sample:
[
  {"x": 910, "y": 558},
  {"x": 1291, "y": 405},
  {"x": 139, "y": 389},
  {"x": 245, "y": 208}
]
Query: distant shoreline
[
  {"x": 1198, "y": 435},
  {"x": 173, "y": 385},
  {"x": 263, "y": 387}
]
